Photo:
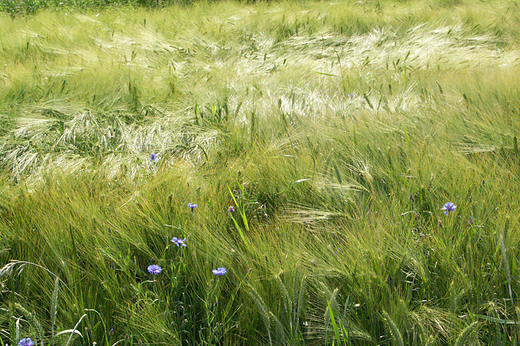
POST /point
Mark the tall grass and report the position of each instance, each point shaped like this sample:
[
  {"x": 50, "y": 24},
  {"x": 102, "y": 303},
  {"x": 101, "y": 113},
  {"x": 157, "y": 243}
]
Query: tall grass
[{"x": 337, "y": 131}]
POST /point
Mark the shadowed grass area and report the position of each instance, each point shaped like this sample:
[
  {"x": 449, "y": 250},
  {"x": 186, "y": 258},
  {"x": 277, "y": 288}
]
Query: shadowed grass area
[{"x": 336, "y": 131}]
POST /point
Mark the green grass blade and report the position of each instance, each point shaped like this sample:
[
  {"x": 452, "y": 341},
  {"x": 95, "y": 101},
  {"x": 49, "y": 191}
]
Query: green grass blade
[
  {"x": 54, "y": 306},
  {"x": 334, "y": 325},
  {"x": 74, "y": 330},
  {"x": 244, "y": 218}
]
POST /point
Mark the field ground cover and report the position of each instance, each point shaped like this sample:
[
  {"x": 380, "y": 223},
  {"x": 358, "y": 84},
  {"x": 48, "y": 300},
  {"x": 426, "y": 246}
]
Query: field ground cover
[{"x": 315, "y": 143}]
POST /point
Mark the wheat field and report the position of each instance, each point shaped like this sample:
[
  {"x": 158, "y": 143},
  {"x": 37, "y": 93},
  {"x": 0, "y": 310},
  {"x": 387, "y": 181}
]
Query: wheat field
[{"x": 259, "y": 173}]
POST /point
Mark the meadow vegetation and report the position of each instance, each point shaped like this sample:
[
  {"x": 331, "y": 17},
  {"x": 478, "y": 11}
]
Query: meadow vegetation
[{"x": 337, "y": 131}]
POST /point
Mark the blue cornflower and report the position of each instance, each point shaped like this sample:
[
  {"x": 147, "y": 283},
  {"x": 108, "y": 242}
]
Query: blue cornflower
[
  {"x": 192, "y": 206},
  {"x": 219, "y": 271},
  {"x": 26, "y": 342},
  {"x": 449, "y": 207},
  {"x": 154, "y": 158},
  {"x": 231, "y": 209},
  {"x": 179, "y": 241},
  {"x": 154, "y": 269}
]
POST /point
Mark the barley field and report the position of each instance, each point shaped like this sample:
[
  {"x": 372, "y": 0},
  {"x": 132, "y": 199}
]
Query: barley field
[{"x": 259, "y": 173}]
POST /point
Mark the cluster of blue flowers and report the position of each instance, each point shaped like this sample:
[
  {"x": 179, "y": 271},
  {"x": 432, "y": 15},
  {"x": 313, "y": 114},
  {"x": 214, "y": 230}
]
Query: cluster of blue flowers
[{"x": 155, "y": 269}]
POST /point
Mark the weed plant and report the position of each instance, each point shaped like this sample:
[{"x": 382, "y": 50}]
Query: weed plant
[{"x": 260, "y": 174}]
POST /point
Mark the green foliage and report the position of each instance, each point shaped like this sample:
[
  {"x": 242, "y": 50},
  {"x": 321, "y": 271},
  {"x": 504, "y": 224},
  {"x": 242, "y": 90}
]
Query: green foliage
[
  {"x": 336, "y": 131},
  {"x": 28, "y": 7}
]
